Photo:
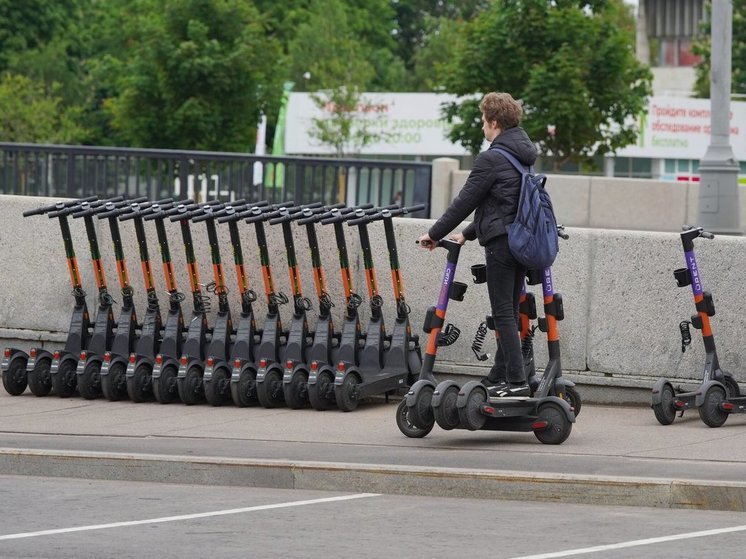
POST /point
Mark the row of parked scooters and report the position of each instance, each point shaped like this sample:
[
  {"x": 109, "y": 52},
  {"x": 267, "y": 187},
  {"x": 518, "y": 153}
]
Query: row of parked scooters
[{"x": 177, "y": 356}]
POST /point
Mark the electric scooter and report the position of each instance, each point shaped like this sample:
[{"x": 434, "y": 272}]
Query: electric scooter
[
  {"x": 549, "y": 417},
  {"x": 138, "y": 374},
  {"x": 20, "y": 369},
  {"x": 718, "y": 395},
  {"x": 387, "y": 362},
  {"x": 99, "y": 373},
  {"x": 270, "y": 350}
]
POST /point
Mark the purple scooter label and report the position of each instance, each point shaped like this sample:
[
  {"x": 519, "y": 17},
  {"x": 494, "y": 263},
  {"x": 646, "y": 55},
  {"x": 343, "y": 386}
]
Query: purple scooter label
[
  {"x": 445, "y": 285},
  {"x": 547, "y": 283},
  {"x": 691, "y": 263}
]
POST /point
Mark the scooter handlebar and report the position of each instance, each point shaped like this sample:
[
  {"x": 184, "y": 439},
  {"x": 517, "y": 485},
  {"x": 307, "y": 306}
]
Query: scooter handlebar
[{"x": 58, "y": 206}]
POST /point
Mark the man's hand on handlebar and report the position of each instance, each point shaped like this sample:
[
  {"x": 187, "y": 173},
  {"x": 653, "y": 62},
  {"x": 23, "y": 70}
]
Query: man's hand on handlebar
[
  {"x": 426, "y": 242},
  {"x": 459, "y": 238}
]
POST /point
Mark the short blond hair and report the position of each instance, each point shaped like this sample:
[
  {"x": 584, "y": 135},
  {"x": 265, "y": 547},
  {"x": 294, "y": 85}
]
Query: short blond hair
[{"x": 501, "y": 108}]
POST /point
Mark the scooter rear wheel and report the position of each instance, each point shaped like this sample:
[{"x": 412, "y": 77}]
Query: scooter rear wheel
[
  {"x": 446, "y": 414},
  {"x": 140, "y": 384},
  {"x": 40, "y": 379},
  {"x": 114, "y": 385},
  {"x": 404, "y": 422},
  {"x": 218, "y": 389},
  {"x": 557, "y": 428},
  {"x": 665, "y": 412},
  {"x": 270, "y": 389},
  {"x": 165, "y": 387},
  {"x": 347, "y": 393},
  {"x": 471, "y": 416},
  {"x": 321, "y": 393},
  {"x": 15, "y": 378},
  {"x": 296, "y": 391},
  {"x": 90, "y": 383},
  {"x": 65, "y": 381},
  {"x": 191, "y": 387},
  {"x": 710, "y": 412},
  {"x": 243, "y": 392}
]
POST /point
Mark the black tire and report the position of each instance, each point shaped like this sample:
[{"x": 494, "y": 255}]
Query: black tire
[
  {"x": 446, "y": 414},
  {"x": 405, "y": 424},
  {"x": 321, "y": 394},
  {"x": 15, "y": 379},
  {"x": 39, "y": 378},
  {"x": 218, "y": 388},
  {"x": 731, "y": 387},
  {"x": 572, "y": 397},
  {"x": 90, "y": 383},
  {"x": 665, "y": 412},
  {"x": 140, "y": 384},
  {"x": 269, "y": 390},
  {"x": 165, "y": 387},
  {"x": 421, "y": 414},
  {"x": 191, "y": 387},
  {"x": 346, "y": 393},
  {"x": 65, "y": 381},
  {"x": 243, "y": 392},
  {"x": 114, "y": 385},
  {"x": 558, "y": 425},
  {"x": 296, "y": 391},
  {"x": 471, "y": 416},
  {"x": 710, "y": 412}
]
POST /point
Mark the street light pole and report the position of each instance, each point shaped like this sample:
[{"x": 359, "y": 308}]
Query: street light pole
[{"x": 719, "y": 207}]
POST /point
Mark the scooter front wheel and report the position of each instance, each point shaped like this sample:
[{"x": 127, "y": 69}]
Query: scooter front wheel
[
  {"x": 243, "y": 392},
  {"x": 165, "y": 388},
  {"x": 40, "y": 379},
  {"x": 90, "y": 382},
  {"x": 296, "y": 391},
  {"x": 191, "y": 387},
  {"x": 421, "y": 414},
  {"x": 711, "y": 412},
  {"x": 321, "y": 393},
  {"x": 270, "y": 389},
  {"x": 15, "y": 379},
  {"x": 405, "y": 424},
  {"x": 572, "y": 397},
  {"x": 140, "y": 384},
  {"x": 65, "y": 381},
  {"x": 114, "y": 385},
  {"x": 346, "y": 393},
  {"x": 551, "y": 425},
  {"x": 217, "y": 389}
]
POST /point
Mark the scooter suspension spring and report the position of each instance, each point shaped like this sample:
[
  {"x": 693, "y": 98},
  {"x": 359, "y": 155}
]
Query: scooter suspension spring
[
  {"x": 376, "y": 302},
  {"x": 249, "y": 296},
  {"x": 355, "y": 301},
  {"x": 448, "y": 335},
  {"x": 478, "y": 344},
  {"x": 325, "y": 300},
  {"x": 279, "y": 298},
  {"x": 527, "y": 345},
  {"x": 153, "y": 301}
]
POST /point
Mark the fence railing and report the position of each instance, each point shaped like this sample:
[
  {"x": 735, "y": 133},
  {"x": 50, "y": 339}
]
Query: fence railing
[{"x": 78, "y": 171}]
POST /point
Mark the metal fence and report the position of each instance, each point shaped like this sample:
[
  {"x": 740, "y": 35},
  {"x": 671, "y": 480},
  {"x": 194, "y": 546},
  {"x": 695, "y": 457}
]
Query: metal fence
[{"x": 78, "y": 171}]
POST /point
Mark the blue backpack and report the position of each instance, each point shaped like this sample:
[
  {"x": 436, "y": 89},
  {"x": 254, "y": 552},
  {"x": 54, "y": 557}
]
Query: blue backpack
[{"x": 532, "y": 237}]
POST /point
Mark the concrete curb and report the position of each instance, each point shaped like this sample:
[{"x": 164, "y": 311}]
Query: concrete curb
[{"x": 400, "y": 480}]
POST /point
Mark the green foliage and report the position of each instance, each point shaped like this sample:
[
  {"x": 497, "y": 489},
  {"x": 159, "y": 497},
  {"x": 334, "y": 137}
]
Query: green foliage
[
  {"x": 197, "y": 75},
  {"x": 738, "y": 53},
  {"x": 29, "y": 114},
  {"x": 572, "y": 64}
]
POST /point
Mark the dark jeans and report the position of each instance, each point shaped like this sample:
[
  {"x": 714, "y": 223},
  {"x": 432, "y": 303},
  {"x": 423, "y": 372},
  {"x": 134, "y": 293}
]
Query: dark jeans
[{"x": 505, "y": 279}]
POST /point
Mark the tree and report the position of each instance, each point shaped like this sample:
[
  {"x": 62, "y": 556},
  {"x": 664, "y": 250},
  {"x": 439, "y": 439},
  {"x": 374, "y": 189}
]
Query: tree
[
  {"x": 197, "y": 75},
  {"x": 572, "y": 63},
  {"x": 29, "y": 114},
  {"x": 738, "y": 53}
]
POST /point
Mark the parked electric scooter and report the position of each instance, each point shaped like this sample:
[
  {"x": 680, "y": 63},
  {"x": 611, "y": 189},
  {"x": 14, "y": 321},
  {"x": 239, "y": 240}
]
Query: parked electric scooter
[
  {"x": 20, "y": 369},
  {"x": 549, "y": 417},
  {"x": 719, "y": 394}
]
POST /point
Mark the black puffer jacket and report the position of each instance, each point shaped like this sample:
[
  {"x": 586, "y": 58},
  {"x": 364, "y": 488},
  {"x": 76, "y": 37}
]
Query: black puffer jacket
[{"x": 492, "y": 189}]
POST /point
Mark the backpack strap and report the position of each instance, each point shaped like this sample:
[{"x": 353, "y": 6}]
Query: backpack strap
[{"x": 513, "y": 161}]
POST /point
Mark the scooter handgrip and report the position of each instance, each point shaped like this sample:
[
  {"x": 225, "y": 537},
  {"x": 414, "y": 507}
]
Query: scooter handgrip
[
  {"x": 58, "y": 206},
  {"x": 415, "y": 208}
]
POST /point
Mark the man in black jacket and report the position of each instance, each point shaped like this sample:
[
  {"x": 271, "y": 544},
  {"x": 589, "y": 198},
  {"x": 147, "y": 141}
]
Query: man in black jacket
[{"x": 491, "y": 192}]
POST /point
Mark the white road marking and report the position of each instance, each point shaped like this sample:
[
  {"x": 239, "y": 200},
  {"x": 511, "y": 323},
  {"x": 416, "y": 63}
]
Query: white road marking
[
  {"x": 186, "y": 516},
  {"x": 634, "y": 543}
]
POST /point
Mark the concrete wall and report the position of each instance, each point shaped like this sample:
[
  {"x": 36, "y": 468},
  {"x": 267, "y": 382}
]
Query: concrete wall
[
  {"x": 622, "y": 306},
  {"x": 609, "y": 203}
]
